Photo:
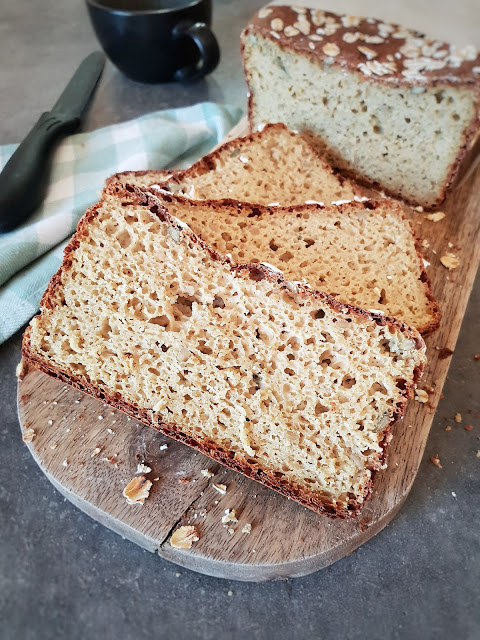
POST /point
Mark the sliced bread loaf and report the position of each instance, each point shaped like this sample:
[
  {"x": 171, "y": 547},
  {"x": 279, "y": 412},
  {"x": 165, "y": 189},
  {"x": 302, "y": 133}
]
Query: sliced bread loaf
[
  {"x": 284, "y": 384},
  {"x": 275, "y": 165},
  {"x": 363, "y": 253},
  {"x": 388, "y": 105}
]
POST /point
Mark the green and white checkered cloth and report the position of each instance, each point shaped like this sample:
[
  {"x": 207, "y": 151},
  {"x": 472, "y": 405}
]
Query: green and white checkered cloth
[{"x": 31, "y": 254}]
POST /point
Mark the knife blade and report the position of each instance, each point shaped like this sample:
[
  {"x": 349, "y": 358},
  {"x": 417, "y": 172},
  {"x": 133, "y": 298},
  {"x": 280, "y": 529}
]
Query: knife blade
[{"x": 24, "y": 179}]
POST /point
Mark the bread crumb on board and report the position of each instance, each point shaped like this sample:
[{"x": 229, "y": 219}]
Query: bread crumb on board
[
  {"x": 28, "y": 435},
  {"x": 421, "y": 395},
  {"x": 21, "y": 369},
  {"x": 137, "y": 490},
  {"x": 184, "y": 537},
  {"x": 450, "y": 260},
  {"x": 221, "y": 488},
  {"x": 230, "y": 516},
  {"x": 435, "y": 217},
  {"x": 436, "y": 461}
]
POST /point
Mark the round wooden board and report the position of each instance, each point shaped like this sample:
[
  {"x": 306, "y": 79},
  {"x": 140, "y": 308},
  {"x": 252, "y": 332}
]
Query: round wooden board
[{"x": 286, "y": 539}]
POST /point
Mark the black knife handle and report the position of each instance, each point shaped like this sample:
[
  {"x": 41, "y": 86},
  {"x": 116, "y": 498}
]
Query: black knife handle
[{"x": 24, "y": 179}]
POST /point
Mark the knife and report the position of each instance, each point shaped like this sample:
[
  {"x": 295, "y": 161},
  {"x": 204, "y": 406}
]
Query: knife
[{"x": 24, "y": 179}]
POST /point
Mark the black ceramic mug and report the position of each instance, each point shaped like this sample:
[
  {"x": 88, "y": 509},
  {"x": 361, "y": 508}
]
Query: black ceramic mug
[{"x": 157, "y": 40}]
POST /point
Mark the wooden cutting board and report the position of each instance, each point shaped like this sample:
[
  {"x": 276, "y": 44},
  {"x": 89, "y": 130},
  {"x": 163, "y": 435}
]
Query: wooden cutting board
[{"x": 90, "y": 451}]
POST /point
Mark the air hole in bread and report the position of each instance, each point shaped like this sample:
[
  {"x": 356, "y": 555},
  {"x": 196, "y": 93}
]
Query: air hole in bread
[
  {"x": 203, "y": 348},
  {"x": 320, "y": 408},
  {"x": 378, "y": 388},
  {"x": 124, "y": 239},
  {"x": 162, "y": 321},
  {"x": 348, "y": 382},
  {"x": 184, "y": 305}
]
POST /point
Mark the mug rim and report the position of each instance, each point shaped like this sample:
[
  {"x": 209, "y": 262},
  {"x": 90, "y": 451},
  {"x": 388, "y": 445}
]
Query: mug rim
[{"x": 133, "y": 12}]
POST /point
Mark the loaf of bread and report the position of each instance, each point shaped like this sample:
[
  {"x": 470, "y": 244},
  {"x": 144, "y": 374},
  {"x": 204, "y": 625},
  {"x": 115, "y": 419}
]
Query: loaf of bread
[
  {"x": 272, "y": 166},
  {"x": 284, "y": 384},
  {"x": 386, "y": 104},
  {"x": 362, "y": 253}
]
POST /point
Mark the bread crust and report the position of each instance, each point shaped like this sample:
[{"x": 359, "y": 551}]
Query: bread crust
[
  {"x": 122, "y": 191},
  {"x": 460, "y": 73},
  {"x": 208, "y": 162},
  {"x": 313, "y": 501},
  {"x": 122, "y": 176},
  {"x": 349, "y": 58}
]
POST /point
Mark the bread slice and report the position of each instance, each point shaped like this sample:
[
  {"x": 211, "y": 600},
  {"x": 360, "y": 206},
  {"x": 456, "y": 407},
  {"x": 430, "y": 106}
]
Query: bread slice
[
  {"x": 362, "y": 253},
  {"x": 388, "y": 105},
  {"x": 275, "y": 165},
  {"x": 272, "y": 379}
]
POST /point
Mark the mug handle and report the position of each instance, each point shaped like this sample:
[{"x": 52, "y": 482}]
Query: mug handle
[{"x": 207, "y": 44}]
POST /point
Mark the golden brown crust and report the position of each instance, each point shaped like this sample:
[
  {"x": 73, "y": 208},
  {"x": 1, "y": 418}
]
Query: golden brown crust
[
  {"x": 209, "y": 161},
  {"x": 459, "y": 70},
  {"x": 122, "y": 176},
  {"x": 209, "y": 449},
  {"x": 386, "y": 53},
  {"x": 313, "y": 501},
  {"x": 212, "y": 450},
  {"x": 122, "y": 191}
]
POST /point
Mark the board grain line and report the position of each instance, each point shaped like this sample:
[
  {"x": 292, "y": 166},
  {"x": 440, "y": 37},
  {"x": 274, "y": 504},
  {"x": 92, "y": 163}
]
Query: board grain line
[{"x": 286, "y": 539}]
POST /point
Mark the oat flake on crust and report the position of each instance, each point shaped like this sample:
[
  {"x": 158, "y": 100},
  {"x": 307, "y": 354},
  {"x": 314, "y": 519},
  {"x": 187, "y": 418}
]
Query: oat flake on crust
[{"x": 418, "y": 56}]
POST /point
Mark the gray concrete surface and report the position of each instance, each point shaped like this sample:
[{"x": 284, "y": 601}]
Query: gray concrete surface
[{"x": 64, "y": 576}]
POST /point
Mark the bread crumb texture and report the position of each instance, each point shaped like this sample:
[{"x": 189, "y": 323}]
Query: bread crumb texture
[
  {"x": 387, "y": 104},
  {"x": 288, "y": 385},
  {"x": 273, "y": 165},
  {"x": 314, "y": 244}
]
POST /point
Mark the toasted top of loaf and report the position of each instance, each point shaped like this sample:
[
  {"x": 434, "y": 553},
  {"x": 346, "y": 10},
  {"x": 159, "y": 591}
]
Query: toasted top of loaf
[
  {"x": 283, "y": 383},
  {"x": 363, "y": 253},
  {"x": 272, "y": 166},
  {"x": 385, "y": 52}
]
